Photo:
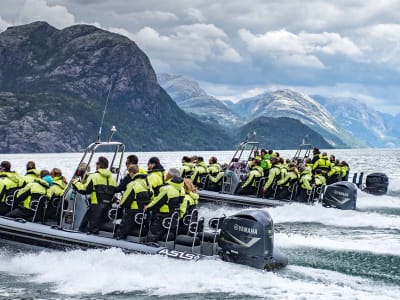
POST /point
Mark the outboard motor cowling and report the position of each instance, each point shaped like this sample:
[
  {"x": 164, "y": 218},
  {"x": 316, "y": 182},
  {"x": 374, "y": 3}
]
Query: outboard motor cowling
[
  {"x": 376, "y": 184},
  {"x": 248, "y": 238},
  {"x": 342, "y": 195}
]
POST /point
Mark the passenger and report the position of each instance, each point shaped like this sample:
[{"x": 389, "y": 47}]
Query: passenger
[
  {"x": 286, "y": 185},
  {"x": 250, "y": 187},
  {"x": 200, "y": 172},
  {"x": 273, "y": 177},
  {"x": 332, "y": 159},
  {"x": 191, "y": 197},
  {"x": 316, "y": 155},
  {"x": 82, "y": 172},
  {"x": 270, "y": 154},
  {"x": 137, "y": 195},
  {"x": 345, "y": 170},
  {"x": 335, "y": 174},
  {"x": 215, "y": 182},
  {"x": 323, "y": 163},
  {"x": 130, "y": 160},
  {"x": 187, "y": 167},
  {"x": 31, "y": 172},
  {"x": 305, "y": 181},
  {"x": 319, "y": 181},
  {"x": 10, "y": 182},
  {"x": 101, "y": 187},
  {"x": 156, "y": 174},
  {"x": 38, "y": 190},
  {"x": 283, "y": 167},
  {"x": 165, "y": 204},
  {"x": 308, "y": 163},
  {"x": 265, "y": 162},
  {"x": 56, "y": 191},
  {"x": 213, "y": 168}
]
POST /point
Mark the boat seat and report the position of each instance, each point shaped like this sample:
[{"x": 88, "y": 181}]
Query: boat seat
[
  {"x": 187, "y": 240},
  {"x": 108, "y": 226},
  {"x": 208, "y": 237}
]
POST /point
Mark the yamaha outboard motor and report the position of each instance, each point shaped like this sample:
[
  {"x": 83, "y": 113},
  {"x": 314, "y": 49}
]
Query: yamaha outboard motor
[
  {"x": 342, "y": 195},
  {"x": 248, "y": 238},
  {"x": 376, "y": 184}
]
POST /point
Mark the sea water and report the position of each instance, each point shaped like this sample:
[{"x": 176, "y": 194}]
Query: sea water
[{"x": 333, "y": 254}]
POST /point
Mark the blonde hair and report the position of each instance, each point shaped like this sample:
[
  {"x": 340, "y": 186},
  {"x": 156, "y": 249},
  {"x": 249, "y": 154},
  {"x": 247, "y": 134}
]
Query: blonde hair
[{"x": 189, "y": 186}]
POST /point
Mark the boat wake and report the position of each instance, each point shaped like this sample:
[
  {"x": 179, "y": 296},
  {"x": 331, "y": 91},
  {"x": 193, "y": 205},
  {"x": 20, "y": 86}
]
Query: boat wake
[{"x": 111, "y": 271}]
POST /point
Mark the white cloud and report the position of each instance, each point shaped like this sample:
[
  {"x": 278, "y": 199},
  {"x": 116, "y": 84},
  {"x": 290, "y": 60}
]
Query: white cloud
[
  {"x": 189, "y": 45},
  {"x": 297, "y": 50},
  {"x": 381, "y": 44},
  {"x": 195, "y": 14},
  {"x": 39, "y": 10}
]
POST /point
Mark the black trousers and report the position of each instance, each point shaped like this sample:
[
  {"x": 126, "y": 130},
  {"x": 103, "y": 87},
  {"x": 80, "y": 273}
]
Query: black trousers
[
  {"x": 4, "y": 209},
  {"x": 128, "y": 225},
  {"x": 156, "y": 229},
  {"x": 23, "y": 213},
  {"x": 269, "y": 192},
  {"x": 97, "y": 216},
  {"x": 248, "y": 190},
  {"x": 283, "y": 193}
]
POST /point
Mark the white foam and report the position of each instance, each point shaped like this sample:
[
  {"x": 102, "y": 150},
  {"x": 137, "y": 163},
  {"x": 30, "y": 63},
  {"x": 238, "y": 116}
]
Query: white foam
[
  {"x": 90, "y": 272},
  {"x": 365, "y": 200},
  {"x": 301, "y": 213},
  {"x": 366, "y": 242}
]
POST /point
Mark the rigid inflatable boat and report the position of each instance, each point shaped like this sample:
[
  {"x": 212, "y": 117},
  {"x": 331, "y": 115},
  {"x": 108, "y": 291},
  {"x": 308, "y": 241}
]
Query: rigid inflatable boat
[
  {"x": 244, "y": 238},
  {"x": 341, "y": 195}
]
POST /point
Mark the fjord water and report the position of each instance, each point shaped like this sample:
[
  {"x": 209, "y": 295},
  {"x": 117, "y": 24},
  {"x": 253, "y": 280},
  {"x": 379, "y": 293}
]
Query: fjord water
[{"x": 332, "y": 254}]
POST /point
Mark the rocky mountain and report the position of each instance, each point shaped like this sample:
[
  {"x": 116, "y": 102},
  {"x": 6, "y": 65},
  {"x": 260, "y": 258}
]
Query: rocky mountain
[
  {"x": 195, "y": 101},
  {"x": 54, "y": 84},
  {"x": 295, "y": 105},
  {"x": 274, "y": 135},
  {"x": 375, "y": 128}
]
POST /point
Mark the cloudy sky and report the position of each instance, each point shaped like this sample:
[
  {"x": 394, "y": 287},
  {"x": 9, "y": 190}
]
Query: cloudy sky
[{"x": 239, "y": 48}]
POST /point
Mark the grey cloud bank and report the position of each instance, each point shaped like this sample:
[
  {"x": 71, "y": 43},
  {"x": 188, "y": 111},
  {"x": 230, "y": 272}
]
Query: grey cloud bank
[{"x": 235, "y": 48}]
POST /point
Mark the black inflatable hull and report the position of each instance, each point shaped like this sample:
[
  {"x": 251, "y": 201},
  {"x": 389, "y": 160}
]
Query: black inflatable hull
[
  {"x": 331, "y": 200},
  {"x": 237, "y": 200},
  {"x": 19, "y": 231}
]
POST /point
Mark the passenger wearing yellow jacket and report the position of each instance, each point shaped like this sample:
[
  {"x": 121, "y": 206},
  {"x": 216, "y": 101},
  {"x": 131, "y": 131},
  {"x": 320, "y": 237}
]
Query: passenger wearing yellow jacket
[
  {"x": 165, "y": 203},
  {"x": 56, "y": 192},
  {"x": 335, "y": 174},
  {"x": 156, "y": 174},
  {"x": 38, "y": 190},
  {"x": 10, "y": 182},
  {"x": 214, "y": 182},
  {"x": 323, "y": 163},
  {"x": 137, "y": 195},
  {"x": 101, "y": 187},
  {"x": 273, "y": 177},
  {"x": 31, "y": 172},
  {"x": 286, "y": 185},
  {"x": 249, "y": 187},
  {"x": 188, "y": 204},
  {"x": 187, "y": 168},
  {"x": 200, "y": 172},
  {"x": 130, "y": 160},
  {"x": 305, "y": 184},
  {"x": 345, "y": 170}
]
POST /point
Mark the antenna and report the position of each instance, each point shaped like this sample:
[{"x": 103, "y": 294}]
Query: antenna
[{"x": 104, "y": 113}]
